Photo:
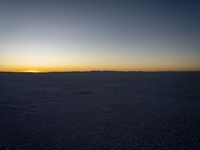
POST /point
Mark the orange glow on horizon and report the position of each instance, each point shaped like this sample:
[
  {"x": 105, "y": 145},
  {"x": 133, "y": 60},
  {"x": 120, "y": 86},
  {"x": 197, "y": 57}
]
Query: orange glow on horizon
[
  {"x": 32, "y": 71},
  {"x": 47, "y": 69}
]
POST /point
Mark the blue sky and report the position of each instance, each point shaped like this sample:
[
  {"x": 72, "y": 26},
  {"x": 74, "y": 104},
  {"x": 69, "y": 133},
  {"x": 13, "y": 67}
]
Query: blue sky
[{"x": 99, "y": 35}]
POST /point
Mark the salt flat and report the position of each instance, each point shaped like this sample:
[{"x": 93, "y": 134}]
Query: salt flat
[{"x": 100, "y": 110}]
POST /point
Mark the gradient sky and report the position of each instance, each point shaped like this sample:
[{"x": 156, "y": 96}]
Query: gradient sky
[{"x": 78, "y": 35}]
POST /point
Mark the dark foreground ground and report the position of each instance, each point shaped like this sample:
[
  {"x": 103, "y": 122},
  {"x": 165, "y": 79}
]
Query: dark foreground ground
[{"x": 99, "y": 110}]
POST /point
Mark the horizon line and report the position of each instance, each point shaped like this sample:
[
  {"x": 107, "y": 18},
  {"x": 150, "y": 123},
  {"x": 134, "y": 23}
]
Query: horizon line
[{"x": 92, "y": 71}]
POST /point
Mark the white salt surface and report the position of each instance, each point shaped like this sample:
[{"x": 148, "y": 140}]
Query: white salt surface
[{"x": 100, "y": 110}]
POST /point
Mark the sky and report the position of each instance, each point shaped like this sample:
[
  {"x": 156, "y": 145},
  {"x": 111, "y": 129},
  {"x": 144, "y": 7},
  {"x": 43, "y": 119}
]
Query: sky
[{"x": 83, "y": 35}]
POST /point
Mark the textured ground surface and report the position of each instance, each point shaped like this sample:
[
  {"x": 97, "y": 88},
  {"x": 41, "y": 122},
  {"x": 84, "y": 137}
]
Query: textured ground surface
[{"x": 98, "y": 111}]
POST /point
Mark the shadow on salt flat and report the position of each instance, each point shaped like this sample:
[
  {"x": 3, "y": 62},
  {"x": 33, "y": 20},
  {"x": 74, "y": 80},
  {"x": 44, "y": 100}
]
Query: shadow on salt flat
[{"x": 84, "y": 92}]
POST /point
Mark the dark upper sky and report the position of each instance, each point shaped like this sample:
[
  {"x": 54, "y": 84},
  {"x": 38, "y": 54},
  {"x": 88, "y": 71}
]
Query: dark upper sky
[{"x": 52, "y": 35}]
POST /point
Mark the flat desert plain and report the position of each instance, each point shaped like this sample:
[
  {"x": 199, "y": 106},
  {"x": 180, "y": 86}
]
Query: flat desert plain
[{"x": 100, "y": 111}]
